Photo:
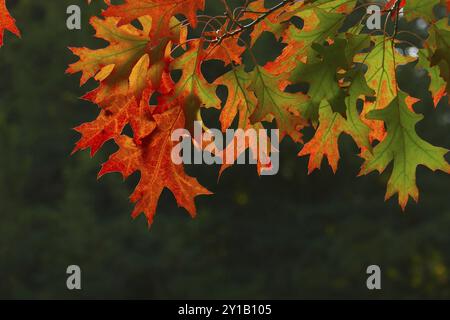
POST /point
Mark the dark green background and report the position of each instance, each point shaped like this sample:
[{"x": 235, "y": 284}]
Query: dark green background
[{"x": 288, "y": 236}]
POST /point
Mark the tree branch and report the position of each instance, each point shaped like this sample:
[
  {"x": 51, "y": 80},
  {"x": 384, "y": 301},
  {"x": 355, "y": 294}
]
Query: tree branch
[{"x": 263, "y": 16}]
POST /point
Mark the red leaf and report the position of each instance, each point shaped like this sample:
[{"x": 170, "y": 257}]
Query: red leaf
[
  {"x": 153, "y": 160},
  {"x": 6, "y": 22}
]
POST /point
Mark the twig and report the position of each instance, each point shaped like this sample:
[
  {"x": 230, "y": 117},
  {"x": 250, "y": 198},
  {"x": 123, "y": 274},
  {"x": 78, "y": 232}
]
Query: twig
[{"x": 263, "y": 16}]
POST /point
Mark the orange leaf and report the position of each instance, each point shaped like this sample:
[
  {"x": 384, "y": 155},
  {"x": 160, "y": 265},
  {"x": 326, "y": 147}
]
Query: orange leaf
[
  {"x": 161, "y": 12},
  {"x": 153, "y": 160},
  {"x": 6, "y": 22},
  {"x": 325, "y": 141},
  {"x": 127, "y": 79}
]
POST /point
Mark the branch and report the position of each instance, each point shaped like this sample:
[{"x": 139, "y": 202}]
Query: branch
[
  {"x": 263, "y": 16},
  {"x": 397, "y": 12}
]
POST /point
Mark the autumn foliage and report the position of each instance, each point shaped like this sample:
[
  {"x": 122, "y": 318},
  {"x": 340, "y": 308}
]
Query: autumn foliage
[{"x": 350, "y": 73}]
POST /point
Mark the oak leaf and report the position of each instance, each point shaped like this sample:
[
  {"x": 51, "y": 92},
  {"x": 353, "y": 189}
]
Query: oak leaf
[
  {"x": 404, "y": 148},
  {"x": 153, "y": 160}
]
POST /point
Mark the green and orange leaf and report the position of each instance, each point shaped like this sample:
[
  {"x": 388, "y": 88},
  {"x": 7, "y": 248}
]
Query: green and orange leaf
[{"x": 404, "y": 148}]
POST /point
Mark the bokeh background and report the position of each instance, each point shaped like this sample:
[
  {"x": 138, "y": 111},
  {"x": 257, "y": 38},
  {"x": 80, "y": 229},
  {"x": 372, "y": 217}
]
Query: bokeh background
[{"x": 282, "y": 237}]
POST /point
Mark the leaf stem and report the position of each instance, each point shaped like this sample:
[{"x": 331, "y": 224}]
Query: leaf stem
[{"x": 263, "y": 16}]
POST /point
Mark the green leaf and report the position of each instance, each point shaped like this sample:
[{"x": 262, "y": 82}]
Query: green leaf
[
  {"x": 321, "y": 71},
  {"x": 440, "y": 42},
  {"x": 438, "y": 86},
  {"x": 420, "y": 9},
  {"x": 355, "y": 126},
  {"x": 404, "y": 148},
  {"x": 273, "y": 101},
  {"x": 382, "y": 62}
]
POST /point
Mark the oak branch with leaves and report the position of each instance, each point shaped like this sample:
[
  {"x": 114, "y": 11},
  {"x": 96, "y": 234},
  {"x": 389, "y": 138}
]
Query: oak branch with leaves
[{"x": 350, "y": 73}]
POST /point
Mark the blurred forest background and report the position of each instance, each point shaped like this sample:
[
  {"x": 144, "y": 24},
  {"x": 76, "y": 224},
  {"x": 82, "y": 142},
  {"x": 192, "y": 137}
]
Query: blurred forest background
[{"x": 287, "y": 236}]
